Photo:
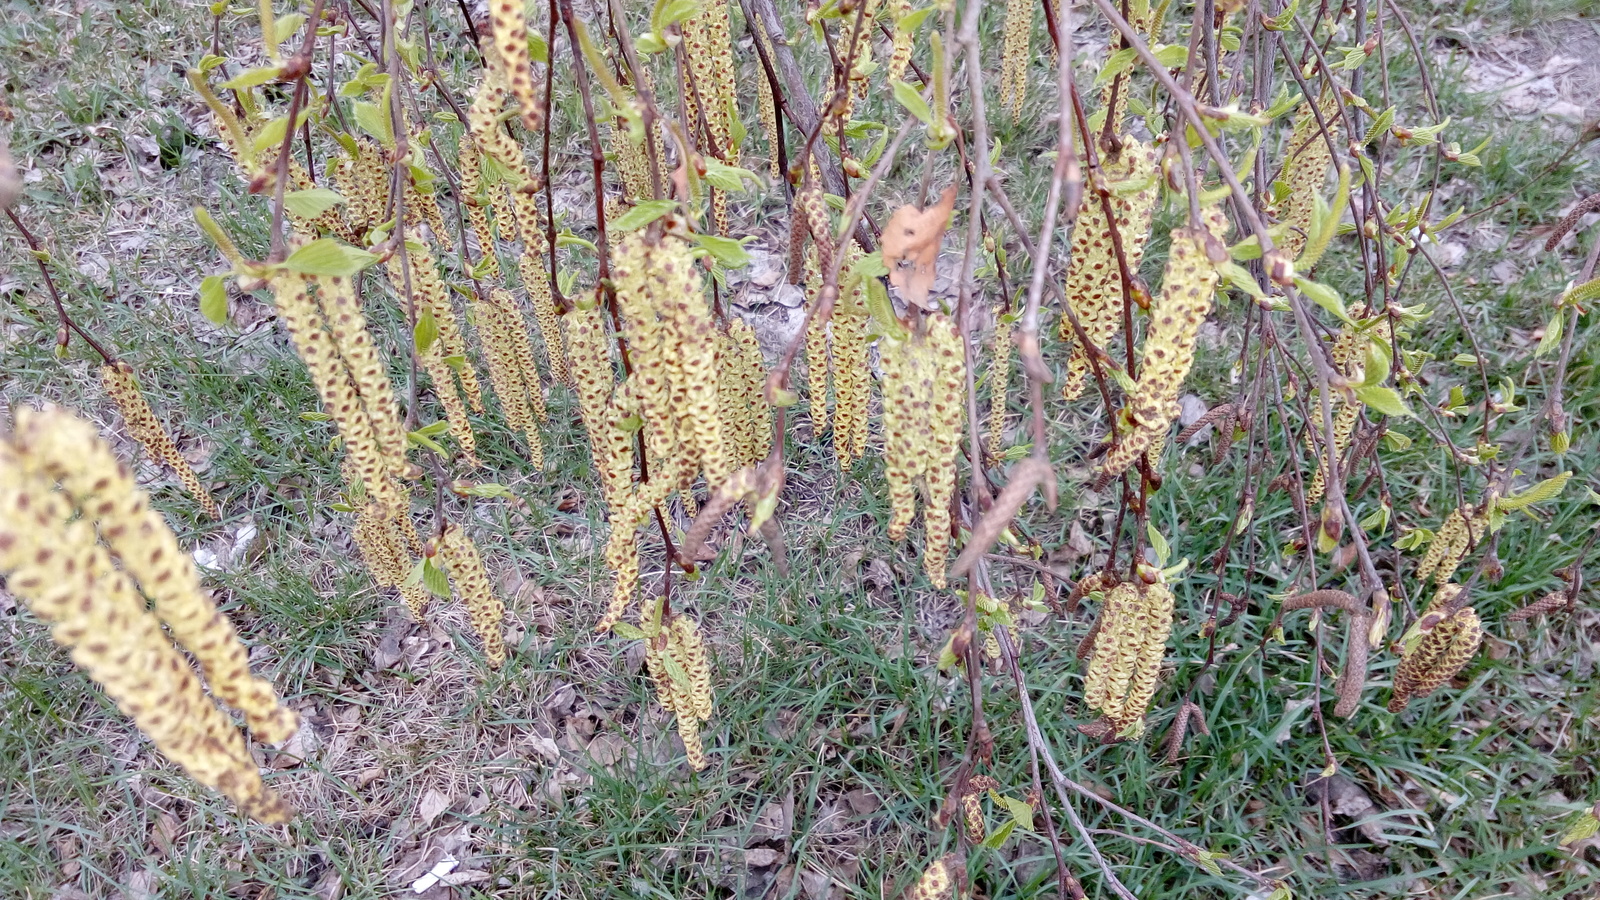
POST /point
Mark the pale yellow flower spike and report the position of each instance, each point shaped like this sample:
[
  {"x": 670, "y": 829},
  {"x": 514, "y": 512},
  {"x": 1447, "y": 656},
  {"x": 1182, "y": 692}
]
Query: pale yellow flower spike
[
  {"x": 1305, "y": 171},
  {"x": 1094, "y": 280},
  {"x": 1175, "y": 319},
  {"x": 1014, "y": 56},
  {"x": 300, "y": 315},
  {"x": 900, "y": 49},
  {"x": 472, "y": 201},
  {"x": 348, "y": 325},
  {"x": 511, "y": 42},
  {"x": 923, "y": 383},
  {"x": 471, "y": 580},
  {"x": 852, "y": 379},
  {"x": 1129, "y": 645},
  {"x": 54, "y": 564},
  {"x": 120, "y": 385}
]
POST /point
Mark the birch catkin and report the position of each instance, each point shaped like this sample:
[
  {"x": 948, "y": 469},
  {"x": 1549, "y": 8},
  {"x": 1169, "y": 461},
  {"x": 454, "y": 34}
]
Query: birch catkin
[
  {"x": 1094, "y": 278},
  {"x": 465, "y": 567},
  {"x": 123, "y": 389},
  {"x": 52, "y": 561},
  {"x": 1175, "y": 320}
]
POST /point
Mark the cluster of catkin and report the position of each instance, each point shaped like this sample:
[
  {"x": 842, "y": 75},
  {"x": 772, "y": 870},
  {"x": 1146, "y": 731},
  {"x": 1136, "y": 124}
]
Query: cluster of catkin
[
  {"x": 1346, "y": 357},
  {"x": 81, "y": 546},
  {"x": 1436, "y": 649},
  {"x": 515, "y": 208},
  {"x": 1462, "y": 529},
  {"x": 837, "y": 357},
  {"x": 1094, "y": 287},
  {"x": 1305, "y": 169},
  {"x": 1168, "y": 353},
  {"x": 924, "y": 377},
  {"x": 123, "y": 388},
  {"x": 712, "y": 92},
  {"x": 675, "y": 655},
  {"x": 1014, "y": 56},
  {"x": 672, "y": 391},
  {"x": 1129, "y": 643},
  {"x": 461, "y": 561},
  {"x": 329, "y": 330}
]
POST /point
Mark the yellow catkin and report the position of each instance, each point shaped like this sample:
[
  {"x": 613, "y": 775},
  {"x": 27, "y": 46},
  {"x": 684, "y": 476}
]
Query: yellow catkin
[
  {"x": 1305, "y": 170},
  {"x": 594, "y": 375},
  {"x": 1129, "y": 644},
  {"x": 388, "y": 543},
  {"x": 692, "y": 655},
  {"x": 1175, "y": 320},
  {"x": 1436, "y": 656},
  {"x": 937, "y": 882},
  {"x": 68, "y": 450},
  {"x": 475, "y": 203},
  {"x": 510, "y": 359},
  {"x": 1462, "y": 529},
  {"x": 536, "y": 282},
  {"x": 1014, "y": 56},
  {"x": 679, "y": 647},
  {"x": 764, "y": 102},
  {"x": 1094, "y": 280},
  {"x": 511, "y": 42},
  {"x": 923, "y": 381},
  {"x": 120, "y": 384},
  {"x": 465, "y": 568},
  {"x": 741, "y": 379},
  {"x": 52, "y": 561},
  {"x": 429, "y": 292},
  {"x": 848, "y": 343},
  {"x": 972, "y": 821},
  {"x": 303, "y": 320},
  {"x": 1345, "y": 355},
  {"x": 363, "y": 180},
  {"x": 348, "y": 325},
  {"x": 900, "y": 47},
  {"x": 819, "y": 366},
  {"x": 999, "y": 378},
  {"x": 672, "y": 344},
  {"x": 712, "y": 91}
]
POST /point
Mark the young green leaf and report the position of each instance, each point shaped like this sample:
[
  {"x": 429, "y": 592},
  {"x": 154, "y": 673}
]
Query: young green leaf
[
  {"x": 214, "y": 300},
  {"x": 327, "y": 256}
]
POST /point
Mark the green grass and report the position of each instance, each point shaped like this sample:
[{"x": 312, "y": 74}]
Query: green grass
[{"x": 829, "y": 702}]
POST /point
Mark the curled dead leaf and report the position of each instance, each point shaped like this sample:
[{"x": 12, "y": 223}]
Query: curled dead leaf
[{"x": 911, "y": 246}]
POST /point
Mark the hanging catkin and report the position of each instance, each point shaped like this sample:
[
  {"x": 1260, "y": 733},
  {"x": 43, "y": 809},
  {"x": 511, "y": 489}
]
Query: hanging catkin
[
  {"x": 53, "y": 562},
  {"x": 121, "y": 386}
]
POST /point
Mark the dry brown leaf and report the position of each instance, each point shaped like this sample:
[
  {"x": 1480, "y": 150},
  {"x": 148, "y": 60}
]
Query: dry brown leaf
[{"x": 911, "y": 246}]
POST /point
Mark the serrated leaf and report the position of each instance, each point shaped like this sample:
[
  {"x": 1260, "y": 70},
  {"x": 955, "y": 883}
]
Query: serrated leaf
[
  {"x": 269, "y": 135},
  {"x": 1383, "y": 399},
  {"x": 214, "y": 300},
  {"x": 728, "y": 178},
  {"x": 1117, "y": 63},
  {"x": 907, "y": 96},
  {"x": 1021, "y": 812},
  {"x": 882, "y": 311},
  {"x": 489, "y": 490},
  {"x": 327, "y": 256},
  {"x": 286, "y": 26},
  {"x": 316, "y": 417},
  {"x": 1208, "y": 861},
  {"x": 642, "y": 214},
  {"x": 311, "y": 202},
  {"x": 909, "y": 22},
  {"x": 374, "y": 120},
  {"x": 538, "y": 47}
]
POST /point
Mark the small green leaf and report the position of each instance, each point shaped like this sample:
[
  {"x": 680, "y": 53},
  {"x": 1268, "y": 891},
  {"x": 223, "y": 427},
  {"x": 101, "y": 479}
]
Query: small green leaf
[
  {"x": 249, "y": 78},
  {"x": 1323, "y": 296},
  {"x": 728, "y": 178},
  {"x": 374, "y": 120},
  {"x": 642, "y": 214},
  {"x": 727, "y": 251},
  {"x": 997, "y": 840},
  {"x": 882, "y": 311},
  {"x": 311, "y": 202},
  {"x": 627, "y": 631},
  {"x": 316, "y": 417},
  {"x": 214, "y": 300},
  {"x": 327, "y": 256},
  {"x": 435, "y": 579},
  {"x": 1021, "y": 813},
  {"x": 1158, "y": 543},
  {"x": 426, "y": 330},
  {"x": 907, "y": 96},
  {"x": 538, "y": 47},
  {"x": 1552, "y": 334},
  {"x": 286, "y": 26},
  {"x": 1383, "y": 399}
]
